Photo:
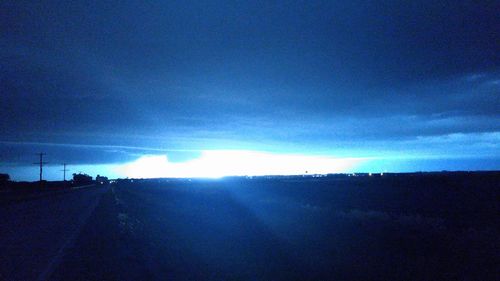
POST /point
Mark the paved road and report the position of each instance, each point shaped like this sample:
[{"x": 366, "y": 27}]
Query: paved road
[{"x": 35, "y": 234}]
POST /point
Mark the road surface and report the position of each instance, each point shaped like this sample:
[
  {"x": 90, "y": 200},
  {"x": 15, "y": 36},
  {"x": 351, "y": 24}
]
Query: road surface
[{"x": 36, "y": 234}]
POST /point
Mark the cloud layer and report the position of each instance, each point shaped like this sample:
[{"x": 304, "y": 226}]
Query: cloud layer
[{"x": 349, "y": 78}]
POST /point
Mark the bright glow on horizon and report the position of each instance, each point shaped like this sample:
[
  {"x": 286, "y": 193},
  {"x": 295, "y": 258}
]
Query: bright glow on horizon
[{"x": 220, "y": 163}]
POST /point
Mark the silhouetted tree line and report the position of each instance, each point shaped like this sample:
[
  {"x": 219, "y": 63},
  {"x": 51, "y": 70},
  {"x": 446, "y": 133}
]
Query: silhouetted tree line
[
  {"x": 4, "y": 177},
  {"x": 4, "y": 180},
  {"x": 82, "y": 178}
]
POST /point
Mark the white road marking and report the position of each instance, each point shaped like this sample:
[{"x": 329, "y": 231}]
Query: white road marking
[{"x": 56, "y": 260}]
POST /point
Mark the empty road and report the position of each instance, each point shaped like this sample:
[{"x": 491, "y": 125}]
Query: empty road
[{"x": 36, "y": 234}]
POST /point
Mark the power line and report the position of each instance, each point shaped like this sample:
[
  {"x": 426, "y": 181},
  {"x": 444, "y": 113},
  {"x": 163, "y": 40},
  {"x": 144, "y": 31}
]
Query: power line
[
  {"x": 41, "y": 154},
  {"x": 64, "y": 171}
]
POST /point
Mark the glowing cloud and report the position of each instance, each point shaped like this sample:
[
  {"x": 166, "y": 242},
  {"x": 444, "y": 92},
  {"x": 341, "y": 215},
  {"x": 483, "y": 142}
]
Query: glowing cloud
[{"x": 220, "y": 163}]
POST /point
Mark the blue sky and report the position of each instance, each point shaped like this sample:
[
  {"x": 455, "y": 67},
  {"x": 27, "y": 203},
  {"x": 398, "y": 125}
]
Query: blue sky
[{"x": 107, "y": 82}]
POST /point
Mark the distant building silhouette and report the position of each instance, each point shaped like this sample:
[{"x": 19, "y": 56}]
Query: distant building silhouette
[{"x": 102, "y": 180}]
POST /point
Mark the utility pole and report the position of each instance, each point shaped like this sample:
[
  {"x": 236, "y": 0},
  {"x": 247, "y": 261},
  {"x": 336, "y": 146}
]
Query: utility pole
[
  {"x": 64, "y": 171},
  {"x": 41, "y": 154}
]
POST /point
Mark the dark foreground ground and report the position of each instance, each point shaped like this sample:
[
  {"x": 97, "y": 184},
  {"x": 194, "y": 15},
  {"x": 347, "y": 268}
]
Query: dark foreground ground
[{"x": 406, "y": 227}]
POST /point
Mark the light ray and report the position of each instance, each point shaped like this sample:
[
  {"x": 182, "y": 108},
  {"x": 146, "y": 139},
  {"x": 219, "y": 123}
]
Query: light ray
[{"x": 220, "y": 163}]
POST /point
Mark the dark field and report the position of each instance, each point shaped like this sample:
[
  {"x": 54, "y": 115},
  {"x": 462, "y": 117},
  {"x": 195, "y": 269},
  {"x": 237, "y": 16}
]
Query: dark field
[{"x": 395, "y": 227}]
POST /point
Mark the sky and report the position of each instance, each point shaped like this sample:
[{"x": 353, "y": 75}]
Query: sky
[{"x": 103, "y": 85}]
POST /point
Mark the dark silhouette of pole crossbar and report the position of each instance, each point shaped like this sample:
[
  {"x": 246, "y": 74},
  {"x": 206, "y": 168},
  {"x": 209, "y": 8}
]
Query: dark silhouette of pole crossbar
[
  {"x": 64, "y": 170},
  {"x": 41, "y": 163}
]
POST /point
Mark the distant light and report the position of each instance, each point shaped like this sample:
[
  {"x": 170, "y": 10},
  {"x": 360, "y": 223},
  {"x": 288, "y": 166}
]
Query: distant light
[{"x": 220, "y": 163}]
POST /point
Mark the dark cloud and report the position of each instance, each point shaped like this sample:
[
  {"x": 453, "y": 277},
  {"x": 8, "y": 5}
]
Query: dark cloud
[{"x": 274, "y": 75}]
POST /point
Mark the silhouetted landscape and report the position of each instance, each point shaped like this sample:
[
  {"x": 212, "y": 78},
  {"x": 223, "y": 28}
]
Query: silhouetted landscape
[
  {"x": 416, "y": 226},
  {"x": 249, "y": 140}
]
